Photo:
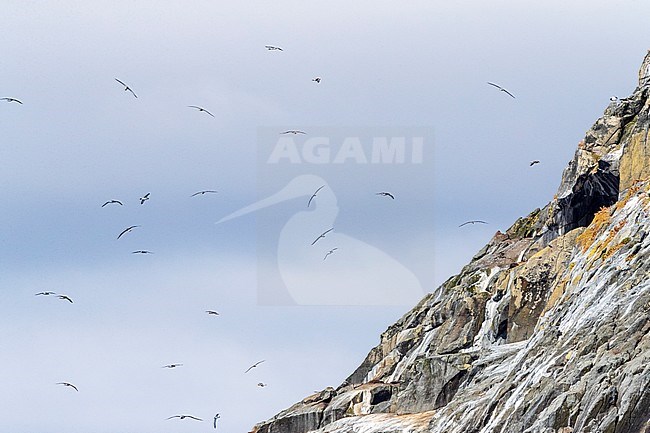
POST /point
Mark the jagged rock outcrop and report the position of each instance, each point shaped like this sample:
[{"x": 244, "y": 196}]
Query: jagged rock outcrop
[{"x": 546, "y": 330}]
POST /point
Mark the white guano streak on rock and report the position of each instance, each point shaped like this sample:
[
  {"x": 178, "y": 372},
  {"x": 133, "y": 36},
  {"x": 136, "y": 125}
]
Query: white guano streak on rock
[
  {"x": 410, "y": 358},
  {"x": 486, "y": 336}
]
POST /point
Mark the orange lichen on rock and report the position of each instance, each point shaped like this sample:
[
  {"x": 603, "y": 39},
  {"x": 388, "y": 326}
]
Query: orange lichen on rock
[{"x": 587, "y": 237}]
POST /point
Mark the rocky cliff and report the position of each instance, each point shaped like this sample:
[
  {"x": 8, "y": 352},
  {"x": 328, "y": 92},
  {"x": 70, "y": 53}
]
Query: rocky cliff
[{"x": 545, "y": 330}]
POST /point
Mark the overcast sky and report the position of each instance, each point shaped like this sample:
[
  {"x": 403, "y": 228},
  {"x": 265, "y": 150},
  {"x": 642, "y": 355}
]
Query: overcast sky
[{"x": 388, "y": 69}]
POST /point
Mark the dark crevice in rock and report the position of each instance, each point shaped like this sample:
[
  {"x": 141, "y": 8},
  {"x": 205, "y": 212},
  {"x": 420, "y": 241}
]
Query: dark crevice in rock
[
  {"x": 590, "y": 193},
  {"x": 380, "y": 396},
  {"x": 449, "y": 390}
]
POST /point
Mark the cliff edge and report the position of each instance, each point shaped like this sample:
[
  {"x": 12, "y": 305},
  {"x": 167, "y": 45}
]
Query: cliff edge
[{"x": 546, "y": 330}]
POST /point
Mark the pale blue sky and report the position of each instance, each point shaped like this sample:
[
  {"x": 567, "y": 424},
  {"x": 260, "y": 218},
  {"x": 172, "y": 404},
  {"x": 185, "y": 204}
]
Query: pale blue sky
[{"x": 80, "y": 140}]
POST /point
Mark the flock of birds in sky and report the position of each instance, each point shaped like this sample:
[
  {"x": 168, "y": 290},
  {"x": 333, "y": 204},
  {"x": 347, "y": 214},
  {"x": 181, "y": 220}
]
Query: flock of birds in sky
[{"x": 147, "y": 196}]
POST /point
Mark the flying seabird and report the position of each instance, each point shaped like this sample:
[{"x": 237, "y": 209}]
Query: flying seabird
[
  {"x": 501, "y": 88},
  {"x": 216, "y": 417},
  {"x": 144, "y": 198},
  {"x": 317, "y": 79},
  {"x": 113, "y": 202},
  {"x": 314, "y": 195},
  {"x": 262, "y": 384},
  {"x": 69, "y": 385},
  {"x": 386, "y": 194},
  {"x": 185, "y": 416},
  {"x": 126, "y": 88},
  {"x": 472, "y": 222},
  {"x": 141, "y": 252},
  {"x": 322, "y": 235},
  {"x": 536, "y": 161},
  {"x": 10, "y": 100},
  {"x": 253, "y": 366},
  {"x": 45, "y": 293},
  {"x": 207, "y": 191},
  {"x": 330, "y": 252},
  {"x": 201, "y": 109},
  {"x": 293, "y": 131},
  {"x": 65, "y": 298},
  {"x": 212, "y": 312},
  {"x": 128, "y": 229},
  {"x": 273, "y": 48},
  {"x": 171, "y": 365}
]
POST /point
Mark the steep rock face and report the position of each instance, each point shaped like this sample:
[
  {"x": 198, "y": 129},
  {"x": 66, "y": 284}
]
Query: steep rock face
[{"x": 545, "y": 330}]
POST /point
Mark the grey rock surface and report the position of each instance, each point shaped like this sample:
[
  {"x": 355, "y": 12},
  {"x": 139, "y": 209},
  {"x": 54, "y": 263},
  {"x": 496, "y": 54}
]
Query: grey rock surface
[{"x": 546, "y": 330}]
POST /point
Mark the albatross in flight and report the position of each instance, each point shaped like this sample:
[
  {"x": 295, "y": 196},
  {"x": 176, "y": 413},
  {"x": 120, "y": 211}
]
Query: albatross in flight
[
  {"x": 144, "y": 198},
  {"x": 501, "y": 89},
  {"x": 536, "y": 161},
  {"x": 322, "y": 235},
  {"x": 201, "y": 109},
  {"x": 330, "y": 252},
  {"x": 10, "y": 100},
  {"x": 126, "y": 230},
  {"x": 216, "y": 417},
  {"x": 253, "y": 366},
  {"x": 386, "y": 194},
  {"x": 185, "y": 416},
  {"x": 126, "y": 88},
  {"x": 273, "y": 48},
  {"x": 44, "y": 294},
  {"x": 171, "y": 365},
  {"x": 212, "y": 312},
  {"x": 113, "y": 202},
  {"x": 316, "y": 80},
  {"x": 472, "y": 222},
  {"x": 293, "y": 131},
  {"x": 65, "y": 298},
  {"x": 207, "y": 191},
  {"x": 68, "y": 384},
  {"x": 313, "y": 196}
]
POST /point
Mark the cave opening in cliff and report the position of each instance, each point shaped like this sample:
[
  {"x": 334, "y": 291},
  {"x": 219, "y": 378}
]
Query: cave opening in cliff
[
  {"x": 380, "y": 396},
  {"x": 590, "y": 193}
]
